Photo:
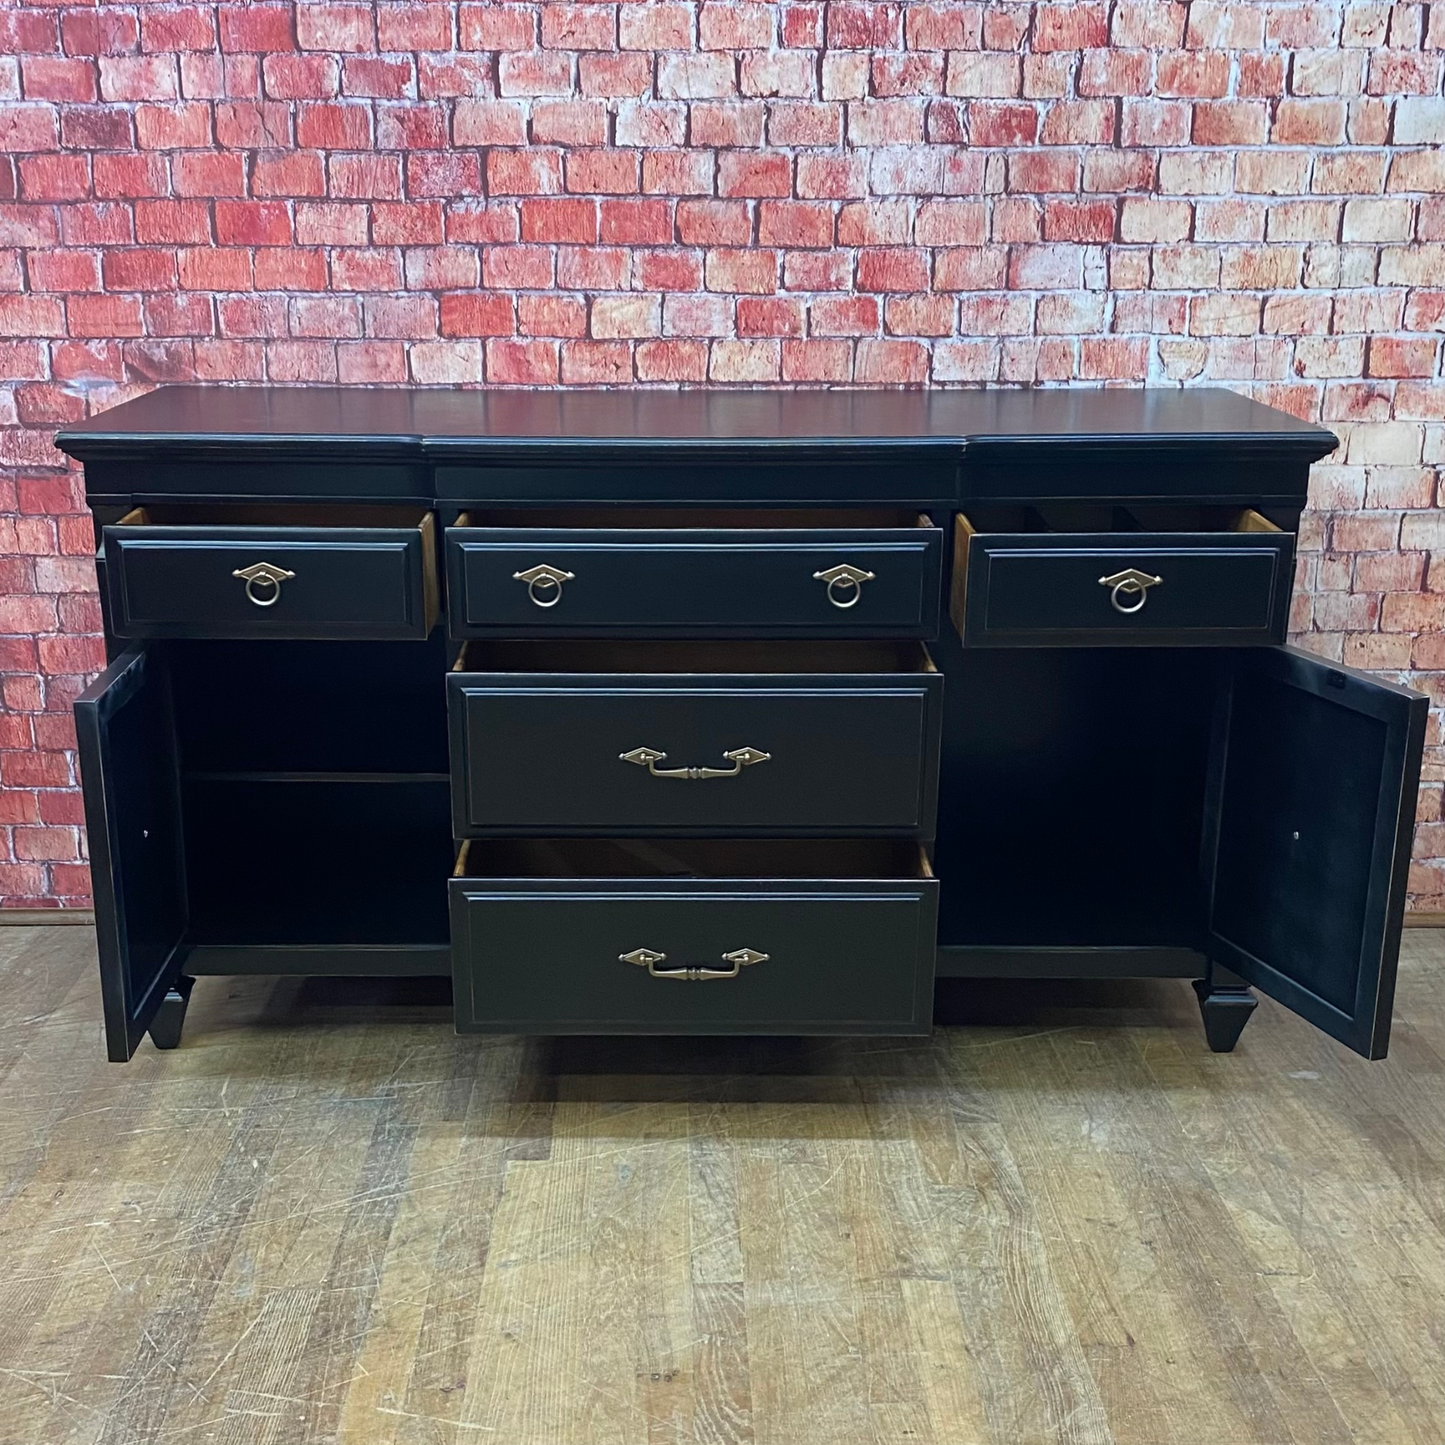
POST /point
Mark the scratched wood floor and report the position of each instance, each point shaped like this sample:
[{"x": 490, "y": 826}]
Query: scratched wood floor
[{"x": 327, "y": 1218}]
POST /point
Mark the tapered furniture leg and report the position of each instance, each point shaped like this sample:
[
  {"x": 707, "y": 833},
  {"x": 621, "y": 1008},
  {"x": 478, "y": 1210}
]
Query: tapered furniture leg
[
  {"x": 165, "y": 1029},
  {"x": 1225, "y": 1002}
]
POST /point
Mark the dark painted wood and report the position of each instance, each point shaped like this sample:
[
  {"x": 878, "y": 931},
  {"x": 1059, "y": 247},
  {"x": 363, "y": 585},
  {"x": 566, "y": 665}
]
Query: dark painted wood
[
  {"x": 623, "y": 427},
  {"x": 1043, "y": 589},
  {"x": 978, "y": 961},
  {"x": 668, "y": 481},
  {"x": 543, "y": 954},
  {"x": 170, "y": 1019},
  {"x": 706, "y": 581},
  {"x": 1307, "y": 837},
  {"x": 263, "y": 803},
  {"x": 1225, "y": 1009},
  {"x": 349, "y": 582},
  {"x": 128, "y": 765},
  {"x": 540, "y": 752},
  {"x": 413, "y": 960}
]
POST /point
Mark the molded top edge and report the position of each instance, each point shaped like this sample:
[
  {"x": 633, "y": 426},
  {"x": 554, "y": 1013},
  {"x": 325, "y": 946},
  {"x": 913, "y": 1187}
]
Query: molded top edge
[{"x": 457, "y": 425}]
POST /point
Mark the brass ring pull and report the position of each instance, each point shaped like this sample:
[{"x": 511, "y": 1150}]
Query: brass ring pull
[
  {"x": 544, "y": 579},
  {"x": 740, "y": 758},
  {"x": 1130, "y": 583},
  {"x": 264, "y": 576},
  {"x": 845, "y": 584},
  {"x": 649, "y": 958}
]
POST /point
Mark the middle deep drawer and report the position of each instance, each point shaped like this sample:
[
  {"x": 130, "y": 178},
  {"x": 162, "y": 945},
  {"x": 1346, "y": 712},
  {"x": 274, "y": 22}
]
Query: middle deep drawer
[{"x": 790, "y": 739}]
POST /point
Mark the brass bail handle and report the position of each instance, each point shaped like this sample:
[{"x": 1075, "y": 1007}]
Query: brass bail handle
[
  {"x": 740, "y": 758},
  {"x": 544, "y": 583},
  {"x": 1131, "y": 583},
  {"x": 649, "y": 958},
  {"x": 845, "y": 584},
  {"x": 264, "y": 576}
]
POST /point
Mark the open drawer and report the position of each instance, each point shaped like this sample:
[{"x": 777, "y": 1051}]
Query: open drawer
[
  {"x": 217, "y": 571},
  {"x": 753, "y": 738},
  {"x": 710, "y": 936},
  {"x": 659, "y": 572},
  {"x": 1119, "y": 577}
]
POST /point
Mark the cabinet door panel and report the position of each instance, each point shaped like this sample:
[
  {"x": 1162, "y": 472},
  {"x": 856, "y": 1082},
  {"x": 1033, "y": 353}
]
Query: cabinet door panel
[
  {"x": 1308, "y": 832},
  {"x": 133, "y": 818}
]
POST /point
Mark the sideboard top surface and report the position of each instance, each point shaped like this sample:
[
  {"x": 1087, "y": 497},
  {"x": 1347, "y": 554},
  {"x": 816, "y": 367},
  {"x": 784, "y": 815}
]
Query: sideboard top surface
[{"x": 511, "y": 424}]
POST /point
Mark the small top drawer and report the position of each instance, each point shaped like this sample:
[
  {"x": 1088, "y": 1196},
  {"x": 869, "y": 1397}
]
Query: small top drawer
[
  {"x": 661, "y": 573},
  {"x": 278, "y": 572},
  {"x": 1116, "y": 577}
]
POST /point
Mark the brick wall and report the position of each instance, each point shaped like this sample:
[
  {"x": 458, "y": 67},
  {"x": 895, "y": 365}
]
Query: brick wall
[{"x": 1250, "y": 194}]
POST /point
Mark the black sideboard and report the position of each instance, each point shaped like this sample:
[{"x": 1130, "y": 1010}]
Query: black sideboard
[{"x": 811, "y": 699}]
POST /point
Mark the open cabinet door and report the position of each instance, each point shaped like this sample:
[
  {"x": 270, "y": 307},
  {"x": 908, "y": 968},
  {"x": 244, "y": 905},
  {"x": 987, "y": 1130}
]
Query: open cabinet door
[
  {"x": 1307, "y": 836},
  {"x": 133, "y": 820}
]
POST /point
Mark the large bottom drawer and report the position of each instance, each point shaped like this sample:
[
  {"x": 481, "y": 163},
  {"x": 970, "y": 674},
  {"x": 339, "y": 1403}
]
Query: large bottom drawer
[{"x": 597, "y": 936}]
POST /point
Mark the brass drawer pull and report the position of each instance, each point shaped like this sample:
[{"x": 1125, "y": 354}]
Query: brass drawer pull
[
  {"x": 546, "y": 580},
  {"x": 740, "y": 758},
  {"x": 845, "y": 584},
  {"x": 649, "y": 958},
  {"x": 1129, "y": 583},
  {"x": 265, "y": 576}
]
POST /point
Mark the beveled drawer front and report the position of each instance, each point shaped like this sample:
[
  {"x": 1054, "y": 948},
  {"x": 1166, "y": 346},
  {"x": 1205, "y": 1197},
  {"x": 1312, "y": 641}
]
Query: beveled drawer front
[
  {"x": 663, "y": 574},
  {"x": 684, "y": 738},
  {"x": 253, "y": 572},
  {"x": 1227, "y": 588},
  {"x": 596, "y": 936}
]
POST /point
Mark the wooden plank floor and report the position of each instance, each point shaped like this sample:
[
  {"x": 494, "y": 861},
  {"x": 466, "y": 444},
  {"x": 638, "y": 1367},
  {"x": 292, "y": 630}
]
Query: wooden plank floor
[{"x": 328, "y": 1218}]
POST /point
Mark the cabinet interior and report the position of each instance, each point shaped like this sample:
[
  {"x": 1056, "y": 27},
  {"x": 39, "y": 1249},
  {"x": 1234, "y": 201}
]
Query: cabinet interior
[
  {"x": 691, "y": 858},
  {"x": 610, "y": 655},
  {"x": 1093, "y": 518},
  {"x": 284, "y": 748},
  {"x": 683, "y": 518},
  {"x": 1079, "y": 775},
  {"x": 274, "y": 514}
]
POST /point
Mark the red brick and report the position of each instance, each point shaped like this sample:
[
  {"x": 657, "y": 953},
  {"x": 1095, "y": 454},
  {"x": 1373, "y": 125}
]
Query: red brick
[
  {"x": 569, "y": 122},
  {"x": 489, "y": 123},
  {"x": 714, "y": 223},
  {"x": 496, "y": 27},
  {"x": 669, "y": 360},
  {"x": 1071, "y": 27},
  {"x": 991, "y": 124},
  {"x": 525, "y": 173},
  {"x": 740, "y": 174},
  {"x": 251, "y": 27},
  {"x": 892, "y": 270},
  {"x": 579, "y": 27},
  {"x": 559, "y": 220},
  {"x": 609, "y": 172},
  {"x": 770, "y": 316},
  {"x": 551, "y": 316},
  {"x": 522, "y": 363},
  {"x": 253, "y": 223},
  {"x": 1403, "y": 356},
  {"x": 669, "y": 269},
  {"x": 1230, "y": 123},
  {"x": 476, "y": 315},
  {"x": 753, "y": 272},
  {"x": 654, "y": 26},
  {"x": 634, "y": 222},
  {"x": 857, "y": 26},
  {"x": 795, "y": 223},
  {"x": 331, "y": 27}
]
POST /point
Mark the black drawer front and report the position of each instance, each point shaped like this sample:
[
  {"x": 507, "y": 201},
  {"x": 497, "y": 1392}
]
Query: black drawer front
[
  {"x": 343, "y": 582},
  {"x": 1031, "y": 590},
  {"x": 539, "y": 754},
  {"x": 701, "y": 581},
  {"x": 546, "y": 956}
]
